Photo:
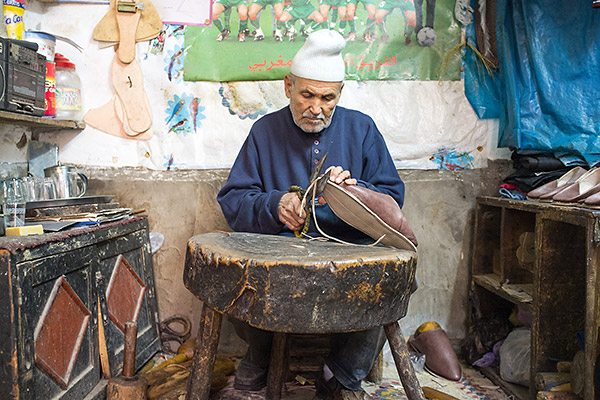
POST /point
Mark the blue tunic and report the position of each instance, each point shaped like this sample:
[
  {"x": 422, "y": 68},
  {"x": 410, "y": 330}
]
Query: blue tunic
[{"x": 278, "y": 154}]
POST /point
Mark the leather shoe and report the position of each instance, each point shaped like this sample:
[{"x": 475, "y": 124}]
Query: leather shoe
[
  {"x": 592, "y": 201},
  {"x": 587, "y": 185},
  {"x": 551, "y": 188},
  {"x": 250, "y": 376},
  {"x": 431, "y": 340},
  {"x": 376, "y": 214}
]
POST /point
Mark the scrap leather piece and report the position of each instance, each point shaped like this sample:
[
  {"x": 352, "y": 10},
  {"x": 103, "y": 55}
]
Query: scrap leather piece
[
  {"x": 128, "y": 82},
  {"x": 127, "y": 23},
  {"x": 105, "y": 119},
  {"x": 375, "y": 214}
]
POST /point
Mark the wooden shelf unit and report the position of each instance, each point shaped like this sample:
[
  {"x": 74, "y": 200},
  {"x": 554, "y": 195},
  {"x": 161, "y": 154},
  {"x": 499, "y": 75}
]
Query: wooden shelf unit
[{"x": 545, "y": 258}]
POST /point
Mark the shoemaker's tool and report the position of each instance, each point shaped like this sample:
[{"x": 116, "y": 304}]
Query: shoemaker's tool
[
  {"x": 175, "y": 329},
  {"x": 317, "y": 188},
  {"x": 128, "y": 386}
]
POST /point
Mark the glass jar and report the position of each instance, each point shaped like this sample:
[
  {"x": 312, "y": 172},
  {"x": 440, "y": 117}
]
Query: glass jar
[{"x": 68, "y": 89}]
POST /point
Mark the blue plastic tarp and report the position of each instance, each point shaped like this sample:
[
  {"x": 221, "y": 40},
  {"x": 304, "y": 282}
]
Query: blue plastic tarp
[{"x": 546, "y": 91}]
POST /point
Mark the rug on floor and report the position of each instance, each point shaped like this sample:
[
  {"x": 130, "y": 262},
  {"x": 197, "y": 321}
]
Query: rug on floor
[{"x": 472, "y": 386}]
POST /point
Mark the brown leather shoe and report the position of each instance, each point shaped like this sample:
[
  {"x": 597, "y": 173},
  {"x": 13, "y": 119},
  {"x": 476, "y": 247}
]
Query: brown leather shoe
[
  {"x": 592, "y": 201},
  {"x": 375, "y": 214},
  {"x": 431, "y": 340}
]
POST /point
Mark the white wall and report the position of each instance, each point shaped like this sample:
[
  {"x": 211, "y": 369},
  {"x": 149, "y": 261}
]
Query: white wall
[{"x": 418, "y": 118}]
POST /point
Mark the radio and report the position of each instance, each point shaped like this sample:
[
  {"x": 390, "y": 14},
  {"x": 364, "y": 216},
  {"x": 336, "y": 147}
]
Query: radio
[{"x": 22, "y": 79}]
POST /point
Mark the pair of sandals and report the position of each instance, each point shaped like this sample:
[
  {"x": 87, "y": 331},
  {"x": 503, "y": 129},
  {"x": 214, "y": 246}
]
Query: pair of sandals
[{"x": 578, "y": 187}]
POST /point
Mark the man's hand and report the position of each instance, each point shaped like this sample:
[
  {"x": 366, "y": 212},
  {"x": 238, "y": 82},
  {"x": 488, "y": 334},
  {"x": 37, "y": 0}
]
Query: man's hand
[
  {"x": 339, "y": 175},
  {"x": 290, "y": 211}
]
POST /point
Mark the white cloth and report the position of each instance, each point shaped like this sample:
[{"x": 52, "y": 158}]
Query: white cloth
[{"x": 320, "y": 58}]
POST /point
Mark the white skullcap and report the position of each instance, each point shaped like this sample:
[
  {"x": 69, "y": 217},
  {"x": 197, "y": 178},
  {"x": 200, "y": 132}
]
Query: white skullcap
[{"x": 320, "y": 58}]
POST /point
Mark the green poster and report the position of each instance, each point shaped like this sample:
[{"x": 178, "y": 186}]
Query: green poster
[{"x": 386, "y": 39}]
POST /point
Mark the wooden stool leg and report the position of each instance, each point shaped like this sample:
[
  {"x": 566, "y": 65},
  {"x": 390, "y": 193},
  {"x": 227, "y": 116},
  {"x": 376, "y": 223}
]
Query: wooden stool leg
[
  {"x": 277, "y": 366},
  {"x": 403, "y": 365},
  {"x": 205, "y": 353}
]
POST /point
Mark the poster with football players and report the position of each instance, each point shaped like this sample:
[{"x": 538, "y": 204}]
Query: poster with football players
[{"x": 386, "y": 39}]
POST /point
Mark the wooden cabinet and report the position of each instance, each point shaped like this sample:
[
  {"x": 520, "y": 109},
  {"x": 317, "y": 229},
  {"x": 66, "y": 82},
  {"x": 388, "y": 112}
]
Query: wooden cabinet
[
  {"x": 544, "y": 258},
  {"x": 51, "y": 286}
]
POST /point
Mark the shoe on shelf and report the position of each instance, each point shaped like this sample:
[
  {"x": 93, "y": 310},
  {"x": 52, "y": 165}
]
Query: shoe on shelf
[
  {"x": 241, "y": 37},
  {"x": 223, "y": 35},
  {"x": 250, "y": 376},
  {"x": 551, "y": 188},
  {"x": 592, "y": 201},
  {"x": 585, "y": 186}
]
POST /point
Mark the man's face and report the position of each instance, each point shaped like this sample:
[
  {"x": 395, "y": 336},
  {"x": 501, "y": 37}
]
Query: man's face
[{"x": 312, "y": 102}]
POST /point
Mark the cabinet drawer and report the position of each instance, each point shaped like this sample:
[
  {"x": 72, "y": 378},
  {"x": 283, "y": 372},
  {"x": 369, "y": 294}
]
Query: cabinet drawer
[
  {"x": 135, "y": 251},
  {"x": 57, "y": 351}
]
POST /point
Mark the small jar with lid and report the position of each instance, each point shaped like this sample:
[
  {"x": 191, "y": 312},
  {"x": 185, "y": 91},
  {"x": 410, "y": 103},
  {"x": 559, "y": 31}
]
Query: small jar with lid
[{"x": 68, "y": 89}]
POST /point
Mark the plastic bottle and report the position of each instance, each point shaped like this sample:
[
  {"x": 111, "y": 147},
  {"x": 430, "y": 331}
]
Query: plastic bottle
[{"x": 68, "y": 89}]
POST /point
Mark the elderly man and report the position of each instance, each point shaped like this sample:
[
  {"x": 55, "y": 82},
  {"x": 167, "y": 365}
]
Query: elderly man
[{"x": 281, "y": 151}]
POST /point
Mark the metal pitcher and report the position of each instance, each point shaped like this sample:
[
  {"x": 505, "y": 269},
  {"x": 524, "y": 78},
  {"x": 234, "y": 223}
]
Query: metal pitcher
[{"x": 69, "y": 183}]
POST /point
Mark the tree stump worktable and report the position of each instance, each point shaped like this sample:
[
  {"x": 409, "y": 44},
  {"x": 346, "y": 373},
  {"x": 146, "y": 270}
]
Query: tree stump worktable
[{"x": 290, "y": 285}]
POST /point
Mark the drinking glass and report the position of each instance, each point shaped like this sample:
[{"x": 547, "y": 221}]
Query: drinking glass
[
  {"x": 31, "y": 188},
  {"x": 13, "y": 203},
  {"x": 48, "y": 189}
]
